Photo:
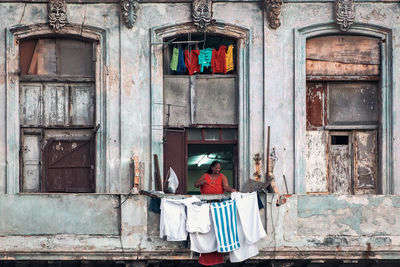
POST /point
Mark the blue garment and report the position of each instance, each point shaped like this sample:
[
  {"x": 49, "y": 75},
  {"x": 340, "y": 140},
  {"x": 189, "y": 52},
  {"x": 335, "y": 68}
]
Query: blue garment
[
  {"x": 205, "y": 58},
  {"x": 225, "y": 225},
  {"x": 181, "y": 62}
]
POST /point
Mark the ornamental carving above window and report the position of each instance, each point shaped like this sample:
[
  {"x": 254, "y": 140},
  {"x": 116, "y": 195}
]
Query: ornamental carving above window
[
  {"x": 345, "y": 14},
  {"x": 202, "y": 13},
  {"x": 57, "y": 10}
]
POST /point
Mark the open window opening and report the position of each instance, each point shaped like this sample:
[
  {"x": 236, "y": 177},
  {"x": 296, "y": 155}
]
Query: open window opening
[
  {"x": 343, "y": 110},
  {"x": 201, "y": 156},
  {"x": 200, "y": 54},
  {"x": 200, "y": 111},
  {"x": 57, "y": 115}
]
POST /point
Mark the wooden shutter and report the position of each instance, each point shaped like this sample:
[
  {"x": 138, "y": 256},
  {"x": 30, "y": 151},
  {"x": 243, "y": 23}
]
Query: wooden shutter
[
  {"x": 316, "y": 104},
  {"x": 69, "y": 166},
  {"x": 175, "y": 157},
  {"x": 365, "y": 162},
  {"x": 340, "y": 163}
]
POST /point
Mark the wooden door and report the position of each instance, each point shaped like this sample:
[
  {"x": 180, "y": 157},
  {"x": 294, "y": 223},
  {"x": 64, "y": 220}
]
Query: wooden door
[{"x": 175, "y": 157}]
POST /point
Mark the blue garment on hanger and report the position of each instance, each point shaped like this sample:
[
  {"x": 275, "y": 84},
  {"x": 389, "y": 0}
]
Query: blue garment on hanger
[
  {"x": 181, "y": 62},
  {"x": 205, "y": 58}
]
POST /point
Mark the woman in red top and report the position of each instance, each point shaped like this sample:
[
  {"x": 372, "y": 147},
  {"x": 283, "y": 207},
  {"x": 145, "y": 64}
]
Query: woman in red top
[{"x": 213, "y": 182}]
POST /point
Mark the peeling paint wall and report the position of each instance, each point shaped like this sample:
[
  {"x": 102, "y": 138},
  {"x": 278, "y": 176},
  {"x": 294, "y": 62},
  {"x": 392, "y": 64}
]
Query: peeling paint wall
[{"x": 94, "y": 227}]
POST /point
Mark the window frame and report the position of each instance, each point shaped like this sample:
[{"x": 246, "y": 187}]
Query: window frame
[
  {"x": 13, "y": 35},
  {"x": 385, "y": 139},
  {"x": 158, "y": 35}
]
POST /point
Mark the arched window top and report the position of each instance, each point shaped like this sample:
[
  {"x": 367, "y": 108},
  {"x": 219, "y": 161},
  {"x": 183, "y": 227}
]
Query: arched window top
[
  {"x": 344, "y": 55},
  {"x": 49, "y": 56}
]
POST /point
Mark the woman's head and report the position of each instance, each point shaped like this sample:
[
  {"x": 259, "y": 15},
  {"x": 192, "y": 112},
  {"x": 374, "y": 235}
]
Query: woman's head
[{"x": 214, "y": 168}]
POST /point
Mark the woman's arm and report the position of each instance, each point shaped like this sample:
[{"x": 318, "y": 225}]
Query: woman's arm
[
  {"x": 226, "y": 186},
  {"x": 200, "y": 181}
]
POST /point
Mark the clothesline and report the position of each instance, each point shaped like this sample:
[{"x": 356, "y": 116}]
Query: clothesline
[{"x": 160, "y": 194}]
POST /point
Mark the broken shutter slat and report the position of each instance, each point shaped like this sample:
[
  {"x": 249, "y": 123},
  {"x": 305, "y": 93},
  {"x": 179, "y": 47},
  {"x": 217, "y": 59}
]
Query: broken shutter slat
[
  {"x": 365, "y": 162},
  {"x": 31, "y": 162},
  {"x": 55, "y": 103},
  {"x": 30, "y": 104},
  {"x": 316, "y": 162},
  {"x": 82, "y": 104},
  {"x": 340, "y": 164}
]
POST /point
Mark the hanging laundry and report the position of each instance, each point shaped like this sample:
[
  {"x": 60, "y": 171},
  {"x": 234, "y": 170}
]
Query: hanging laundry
[
  {"x": 229, "y": 58},
  {"x": 174, "y": 59},
  {"x": 247, "y": 207},
  {"x": 246, "y": 250},
  {"x": 200, "y": 228},
  {"x": 192, "y": 61},
  {"x": 218, "y": 64},
  {"x": 250, "y": 228},
  {"x": 225, "y": 224},
  {"x": 198, "y": 218},
  {"x": 181, "y": 62},
  {"x": 213, "y": 258},
  {"x": 173, "y": 218},
  {"x": 205, "y": 58}
]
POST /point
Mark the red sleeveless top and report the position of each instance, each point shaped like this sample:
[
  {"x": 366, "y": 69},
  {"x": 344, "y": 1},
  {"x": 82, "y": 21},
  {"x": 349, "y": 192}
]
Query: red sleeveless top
[{"x": 212, "y": 186}]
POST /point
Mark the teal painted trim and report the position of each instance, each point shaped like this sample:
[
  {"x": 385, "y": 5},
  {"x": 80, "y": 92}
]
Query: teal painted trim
[
  {"x": 97, "y": 35},
  {"x": 386, "y": 154},
  {"x": 156, "y": 69}
]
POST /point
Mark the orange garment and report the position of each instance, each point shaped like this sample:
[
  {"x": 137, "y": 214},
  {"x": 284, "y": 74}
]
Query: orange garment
[
  {"x": 218, "y": 64},
  {"x": 211, "y": 258},
  {"x": 212, "y": 186},
  {"x": 229, "y": 58}
]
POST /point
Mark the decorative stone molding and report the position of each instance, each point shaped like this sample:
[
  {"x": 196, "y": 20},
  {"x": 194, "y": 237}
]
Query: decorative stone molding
[
  {"x": 202, "y": 13},
  {"x": 57, "y": 10},
  {"x": 129, "y": 9},
  {"x": 345, "y": 14},
  {"x": 273, "y": 8}
]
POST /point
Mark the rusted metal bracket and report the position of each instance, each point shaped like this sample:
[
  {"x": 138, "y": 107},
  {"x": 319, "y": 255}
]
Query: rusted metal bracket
[
  {"x": 273, "y": 9},
  {"x": 345, "y": 14},
  {"x": 57, "y": 10},
  {"x": 129, "y": 9}
]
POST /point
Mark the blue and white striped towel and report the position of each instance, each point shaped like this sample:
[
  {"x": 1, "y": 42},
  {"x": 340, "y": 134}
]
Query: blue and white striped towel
[{"x": 225, "y": 225}]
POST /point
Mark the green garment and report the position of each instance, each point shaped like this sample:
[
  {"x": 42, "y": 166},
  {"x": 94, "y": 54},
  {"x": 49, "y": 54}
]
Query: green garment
[{"x": 174, "y": 59}]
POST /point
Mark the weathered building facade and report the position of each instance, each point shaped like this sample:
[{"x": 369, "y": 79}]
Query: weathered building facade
[{"x": 88, "y": 96}]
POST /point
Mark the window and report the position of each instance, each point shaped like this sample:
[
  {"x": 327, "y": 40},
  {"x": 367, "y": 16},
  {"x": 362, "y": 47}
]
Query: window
[
  {"x": 57, "y": 115},
  {"x": 190, "y": 152},
  {"x": 200, "y": 115},
  {"x": 343, "y": 110}
]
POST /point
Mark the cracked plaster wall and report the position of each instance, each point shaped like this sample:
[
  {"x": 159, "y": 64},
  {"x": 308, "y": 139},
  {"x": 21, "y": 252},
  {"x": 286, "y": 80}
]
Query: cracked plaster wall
[{"x": 305, "y": 223}]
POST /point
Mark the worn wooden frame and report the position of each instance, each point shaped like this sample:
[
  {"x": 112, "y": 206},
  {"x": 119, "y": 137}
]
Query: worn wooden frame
[
  {"x": 386, "y": 86},
  {"x": 13, "y": 35},
  {"x": 158, "y": 35}
]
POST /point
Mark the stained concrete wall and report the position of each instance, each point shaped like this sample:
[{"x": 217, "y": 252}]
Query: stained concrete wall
[{"x": 312, "y": 227}]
